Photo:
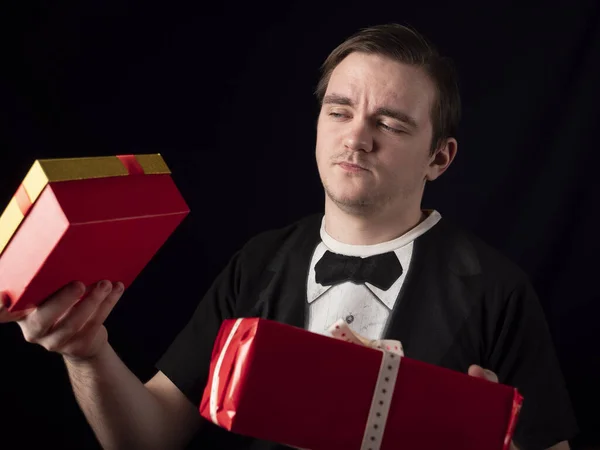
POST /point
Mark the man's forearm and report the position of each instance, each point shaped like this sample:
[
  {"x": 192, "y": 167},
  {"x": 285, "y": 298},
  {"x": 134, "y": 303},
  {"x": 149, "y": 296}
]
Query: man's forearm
[{"x": 123, "y": 413}]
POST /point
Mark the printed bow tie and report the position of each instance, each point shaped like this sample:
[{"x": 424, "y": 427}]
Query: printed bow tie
[{"x": 380, "y": 270}]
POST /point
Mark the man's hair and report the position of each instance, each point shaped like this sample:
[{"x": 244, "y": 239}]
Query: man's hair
[{"x": 405, "y": 45}]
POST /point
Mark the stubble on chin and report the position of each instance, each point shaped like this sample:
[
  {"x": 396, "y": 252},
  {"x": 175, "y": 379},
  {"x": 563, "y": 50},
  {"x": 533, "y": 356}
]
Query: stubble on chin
[{"x": 359, "y": 205}]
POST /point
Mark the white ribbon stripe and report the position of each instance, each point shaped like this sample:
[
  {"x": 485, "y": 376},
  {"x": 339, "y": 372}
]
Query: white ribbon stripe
[{"x": 384, "y": 387}]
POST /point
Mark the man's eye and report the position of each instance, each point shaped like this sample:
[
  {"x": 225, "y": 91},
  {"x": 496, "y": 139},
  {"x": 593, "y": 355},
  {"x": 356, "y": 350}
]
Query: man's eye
[
  {"x": 393, "y": 130},
  {"x": 336, "y": 115}
]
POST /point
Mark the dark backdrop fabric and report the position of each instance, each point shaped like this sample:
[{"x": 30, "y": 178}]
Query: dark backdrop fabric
[{"x": 225, "y": 92}]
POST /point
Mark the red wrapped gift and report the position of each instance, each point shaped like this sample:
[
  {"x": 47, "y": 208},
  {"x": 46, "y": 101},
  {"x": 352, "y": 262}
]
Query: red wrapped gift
[
  {"x": 284, "y": 384},
  {"x": 85, "y": 219}
]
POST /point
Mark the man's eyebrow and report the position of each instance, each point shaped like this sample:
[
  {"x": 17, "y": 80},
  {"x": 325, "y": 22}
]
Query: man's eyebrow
[{"x": 336, "y": 99}]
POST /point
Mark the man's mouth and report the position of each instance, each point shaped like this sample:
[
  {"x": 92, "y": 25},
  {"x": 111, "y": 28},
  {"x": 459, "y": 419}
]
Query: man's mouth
[{"x": 351, "y": 167}]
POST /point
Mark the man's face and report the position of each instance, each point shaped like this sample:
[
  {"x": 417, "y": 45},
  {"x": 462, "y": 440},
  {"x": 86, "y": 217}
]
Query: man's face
[{"x": 374, "y": 134}]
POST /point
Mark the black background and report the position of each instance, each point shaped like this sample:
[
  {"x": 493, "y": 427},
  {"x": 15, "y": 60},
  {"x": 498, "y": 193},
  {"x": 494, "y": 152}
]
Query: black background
[{"x": 225, "y": 92}]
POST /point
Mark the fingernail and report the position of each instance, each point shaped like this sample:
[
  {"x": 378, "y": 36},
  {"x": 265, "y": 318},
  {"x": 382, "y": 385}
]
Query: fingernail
[
  {"x": 79, "y": 287},
  {"x": 119, "y": 287},
  {"x": 104, "y": 285}
]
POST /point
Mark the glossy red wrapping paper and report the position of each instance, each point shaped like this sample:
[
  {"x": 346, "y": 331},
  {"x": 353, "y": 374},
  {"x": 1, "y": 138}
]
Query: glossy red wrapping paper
[{"x": 285, "y": 384}]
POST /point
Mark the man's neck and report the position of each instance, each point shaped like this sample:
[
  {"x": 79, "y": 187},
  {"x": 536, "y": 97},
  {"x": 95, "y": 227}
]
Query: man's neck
[{"x": 369, "y": 229}]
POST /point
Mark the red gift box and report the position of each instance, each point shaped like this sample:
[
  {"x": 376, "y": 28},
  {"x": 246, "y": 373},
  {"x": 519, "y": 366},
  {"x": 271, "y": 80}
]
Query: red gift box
[
  {"x": 85, "y": 219},
  {"x": 284, "y": 384}
]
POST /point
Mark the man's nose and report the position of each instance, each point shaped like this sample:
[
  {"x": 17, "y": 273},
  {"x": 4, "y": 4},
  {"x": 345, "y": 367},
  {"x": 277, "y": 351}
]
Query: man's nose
[{"x": 359, "y": 137}]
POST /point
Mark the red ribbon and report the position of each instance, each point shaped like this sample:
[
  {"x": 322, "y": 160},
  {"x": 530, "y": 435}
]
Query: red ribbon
[
  {"x": 23, "y": 200},
  {"x": 516, "y": 409},
  {"x": 131, "y": 164}
]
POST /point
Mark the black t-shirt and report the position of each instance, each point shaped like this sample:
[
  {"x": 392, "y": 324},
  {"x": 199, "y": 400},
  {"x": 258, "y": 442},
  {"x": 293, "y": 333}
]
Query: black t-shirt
[{"x": 461, "y": 303}]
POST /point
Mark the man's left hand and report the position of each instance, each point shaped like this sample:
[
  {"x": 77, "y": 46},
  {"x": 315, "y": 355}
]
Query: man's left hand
[{"x": 480, "y": 372}]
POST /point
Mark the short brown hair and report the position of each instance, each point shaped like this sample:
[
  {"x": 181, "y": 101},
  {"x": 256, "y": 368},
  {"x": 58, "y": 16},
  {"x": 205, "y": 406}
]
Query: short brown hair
[{"x": 407, "y": 46}]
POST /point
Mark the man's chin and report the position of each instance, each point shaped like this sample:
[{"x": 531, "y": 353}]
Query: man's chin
[{"x": 351, "y": 202}]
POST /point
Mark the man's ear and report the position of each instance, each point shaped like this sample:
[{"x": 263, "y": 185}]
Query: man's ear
[{"x": 441, "y": 159}]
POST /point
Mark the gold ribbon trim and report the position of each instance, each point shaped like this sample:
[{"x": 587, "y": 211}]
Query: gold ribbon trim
[{"x": 46, "y": 171}]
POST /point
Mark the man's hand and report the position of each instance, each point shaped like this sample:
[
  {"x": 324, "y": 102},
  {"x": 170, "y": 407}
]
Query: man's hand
[
  {"x": 480, "y": 372},
  {"x": 64, "y": 323},
  {"x": 6, "y": 316}
]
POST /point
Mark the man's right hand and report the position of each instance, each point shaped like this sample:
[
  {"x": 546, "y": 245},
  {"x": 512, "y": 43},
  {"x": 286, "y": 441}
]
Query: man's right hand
[{"x": 65, "y": 325}]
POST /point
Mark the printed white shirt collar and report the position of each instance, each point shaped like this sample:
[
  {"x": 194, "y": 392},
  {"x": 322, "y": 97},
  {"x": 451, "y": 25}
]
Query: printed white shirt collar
[{"x": 402, "y": 246}]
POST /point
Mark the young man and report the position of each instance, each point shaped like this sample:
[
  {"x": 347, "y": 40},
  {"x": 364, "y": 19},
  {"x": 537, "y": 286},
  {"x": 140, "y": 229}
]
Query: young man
[{"x": 390, "y": 109}]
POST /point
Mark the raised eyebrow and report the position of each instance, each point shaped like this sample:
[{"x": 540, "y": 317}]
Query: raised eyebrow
[
  {"x": 337, "y": 99},
  {"x": 398, "y": 115}
]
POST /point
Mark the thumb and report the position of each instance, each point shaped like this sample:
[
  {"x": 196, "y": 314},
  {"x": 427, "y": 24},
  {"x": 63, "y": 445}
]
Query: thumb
[
  {"x": 6, "y": 315},
  {"x": 4, "y": 301},
  {"x": 476, "y": 371},
  {"x": 479, "y": 372}
]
